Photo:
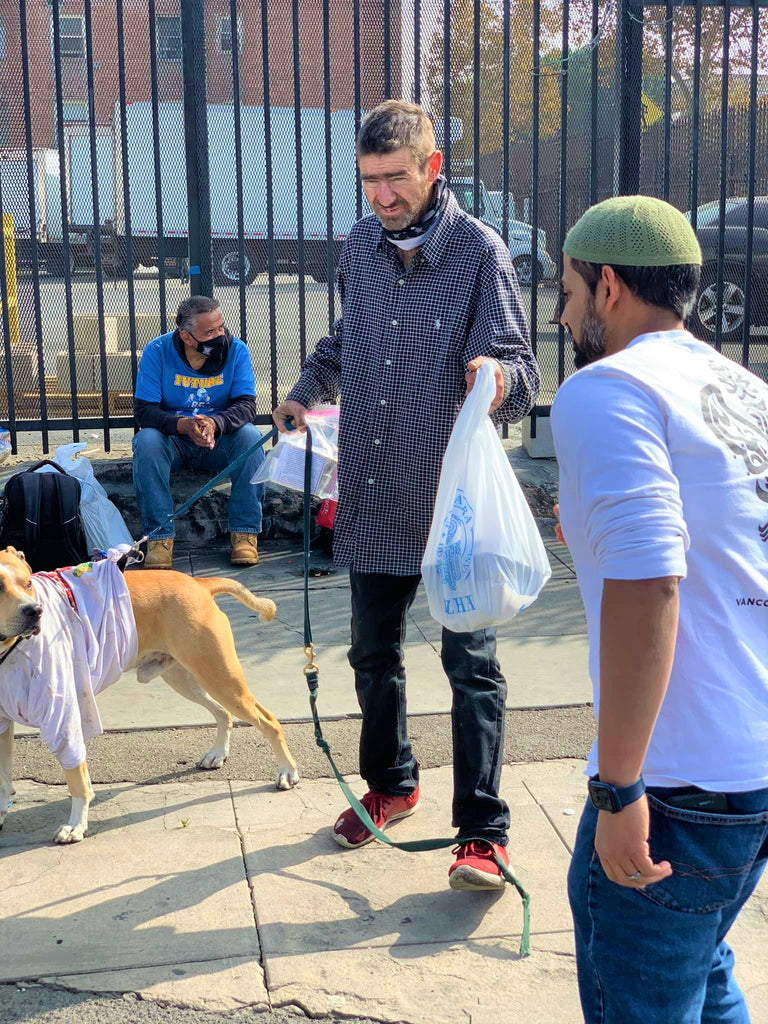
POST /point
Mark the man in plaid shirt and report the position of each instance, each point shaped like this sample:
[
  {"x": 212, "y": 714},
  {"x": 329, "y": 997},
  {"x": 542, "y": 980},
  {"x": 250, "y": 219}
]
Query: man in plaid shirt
[{"x": 428, "y": 294}]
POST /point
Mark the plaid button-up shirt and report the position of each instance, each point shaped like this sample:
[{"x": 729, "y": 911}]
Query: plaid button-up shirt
[{"x": 398, "y": 355}]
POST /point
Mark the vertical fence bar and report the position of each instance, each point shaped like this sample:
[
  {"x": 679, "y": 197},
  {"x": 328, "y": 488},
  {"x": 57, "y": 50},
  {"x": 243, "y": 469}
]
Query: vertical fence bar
[
  {"x": 505, "y": 127},
  {"x": 96, "y": 221},
  {"x": 65, "y": 246},
  {"x": 156, "y": 152},
  {"x": 387, "y": 15},
  {"x": 593, "y": 106},
  {"x": 270, "y": 198},
  {"x": 126, "y": 192},
  {"x": 667, "y": 97},
  {"x": 535, "y": 118},
  {"x": 235, "y": 36},
  {"x": 33, "y": 241},
  {"x": 746, "y": 329},
  {"x": 630, "y": 72},
  {"x": 417, "y": 51},
  {"x": 300, "y": 180},
  {"x": 447, "y": 88},
  {"x": 196, "y": 147},
  {"x": 723, "y": 172},
  {"x": 7, "y": 332},
  {"x": 563, "y": 226},
  {"x": 358, "y": 103},
  {"x": 476, "y": 111},
  {"x": 330, "y": 245},
  {"x": 694, "y": 195}
]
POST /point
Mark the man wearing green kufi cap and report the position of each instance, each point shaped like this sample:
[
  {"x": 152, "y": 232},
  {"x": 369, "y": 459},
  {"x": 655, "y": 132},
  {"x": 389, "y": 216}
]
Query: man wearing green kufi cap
[{"x": 662, "y": 445}]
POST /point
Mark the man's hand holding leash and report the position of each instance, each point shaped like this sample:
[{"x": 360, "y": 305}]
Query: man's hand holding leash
[{"x": 293, "y": 411}]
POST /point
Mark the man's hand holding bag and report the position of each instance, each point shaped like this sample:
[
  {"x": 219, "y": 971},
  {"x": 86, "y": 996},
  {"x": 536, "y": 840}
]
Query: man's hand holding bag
[{"x": 484, "y": 561}]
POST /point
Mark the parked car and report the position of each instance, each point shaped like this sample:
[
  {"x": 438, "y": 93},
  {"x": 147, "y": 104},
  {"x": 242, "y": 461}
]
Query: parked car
[
  {"x": 704, "y": 318},
  {"x": 519, "y": 233}
]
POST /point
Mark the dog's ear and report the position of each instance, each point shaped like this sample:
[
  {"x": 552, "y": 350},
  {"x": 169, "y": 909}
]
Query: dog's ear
[{"x": 19, "y": 554}]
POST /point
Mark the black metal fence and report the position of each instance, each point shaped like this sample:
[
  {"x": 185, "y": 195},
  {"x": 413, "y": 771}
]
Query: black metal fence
[{"x": 155, "y": 147}]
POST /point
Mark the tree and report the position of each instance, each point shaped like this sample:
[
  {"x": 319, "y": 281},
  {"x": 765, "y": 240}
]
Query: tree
[{"x": 462, "y": 25}]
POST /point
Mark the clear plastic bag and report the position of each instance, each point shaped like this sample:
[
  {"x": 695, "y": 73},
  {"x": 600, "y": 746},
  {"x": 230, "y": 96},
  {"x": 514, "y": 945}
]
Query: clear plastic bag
[
  {"x": 284, "y": 464},
  {"x": 103, "y": 525},
  {"x": 484, "y": 561},
  {"x": 5, "y": 445}
]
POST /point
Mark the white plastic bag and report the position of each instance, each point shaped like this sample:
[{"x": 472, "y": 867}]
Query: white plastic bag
[
  {"x": 484, "y": 561},
  {"x": 5, "y": 445},
  {"x": 284, "y": 464},
  {"x": 103, "y": 525}
]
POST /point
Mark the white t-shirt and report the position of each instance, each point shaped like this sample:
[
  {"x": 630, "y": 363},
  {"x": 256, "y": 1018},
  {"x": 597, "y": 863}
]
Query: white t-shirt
[
  {"x": 663, "y": 457},
  {"x": 49, "y": 681}
]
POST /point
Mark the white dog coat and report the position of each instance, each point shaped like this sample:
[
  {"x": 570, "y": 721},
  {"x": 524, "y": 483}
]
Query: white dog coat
[{"x": 87, "y": 639}]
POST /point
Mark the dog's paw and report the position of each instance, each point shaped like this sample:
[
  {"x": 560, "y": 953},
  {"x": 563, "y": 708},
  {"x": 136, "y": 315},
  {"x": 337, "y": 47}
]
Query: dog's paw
[
  {"x": 286, "y": 778},
  {"x": 70, "y": 834},
  {"x": 213, "y": 759}
]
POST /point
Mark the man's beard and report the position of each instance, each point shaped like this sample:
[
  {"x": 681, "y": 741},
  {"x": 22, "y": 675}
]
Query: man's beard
[{"x": 593, "y": 342}]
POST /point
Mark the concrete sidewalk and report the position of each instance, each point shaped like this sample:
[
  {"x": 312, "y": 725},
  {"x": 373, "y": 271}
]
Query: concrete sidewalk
[{"x": 223, "y": 896}]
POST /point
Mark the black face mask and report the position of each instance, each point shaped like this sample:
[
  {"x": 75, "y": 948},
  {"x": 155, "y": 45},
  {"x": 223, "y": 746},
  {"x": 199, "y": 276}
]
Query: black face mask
[{"x": 211, "y": 347}]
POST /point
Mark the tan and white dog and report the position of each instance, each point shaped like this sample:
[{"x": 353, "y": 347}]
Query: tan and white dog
[{"x": 182, "y": 636}]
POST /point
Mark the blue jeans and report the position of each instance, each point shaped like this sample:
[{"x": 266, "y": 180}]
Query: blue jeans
[
  {"x": 157, "y": 455},
  {"x": 380, "y": 603},
  {"x": 659, "y": 955}
]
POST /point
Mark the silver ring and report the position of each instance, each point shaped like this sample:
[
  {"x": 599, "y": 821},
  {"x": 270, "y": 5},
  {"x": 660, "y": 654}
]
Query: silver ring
[{"x": 634, "y": 878}]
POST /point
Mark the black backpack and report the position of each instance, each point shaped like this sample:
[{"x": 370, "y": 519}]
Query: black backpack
[{"x": 41, "y": 517}]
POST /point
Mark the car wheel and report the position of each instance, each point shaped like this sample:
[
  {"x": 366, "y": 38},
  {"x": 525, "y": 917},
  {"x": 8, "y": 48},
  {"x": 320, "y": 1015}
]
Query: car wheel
[
  {"x": 524, "y": 267},
  {"x": 226, "y": 266},
  {"x": 732, "y": 310}
]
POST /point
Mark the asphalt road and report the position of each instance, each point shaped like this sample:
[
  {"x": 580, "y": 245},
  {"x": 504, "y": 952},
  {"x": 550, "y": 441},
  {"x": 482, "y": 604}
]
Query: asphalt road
[{"x": 24, "y": 1004}]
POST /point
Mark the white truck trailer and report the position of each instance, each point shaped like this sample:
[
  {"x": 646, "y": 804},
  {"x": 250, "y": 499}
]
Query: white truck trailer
[{"x": 223, "y": 190}]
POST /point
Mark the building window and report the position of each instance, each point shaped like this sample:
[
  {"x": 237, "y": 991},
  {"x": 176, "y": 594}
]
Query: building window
[
  {"x": 3, "y": 53},
  {"x": 71, "y": 35},
  {"x": 224, "y": 34},
  {"x": 169, "y": 38}
]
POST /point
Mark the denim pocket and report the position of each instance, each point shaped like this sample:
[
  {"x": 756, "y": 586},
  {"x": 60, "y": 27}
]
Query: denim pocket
[{"x": 711, "y": 855}]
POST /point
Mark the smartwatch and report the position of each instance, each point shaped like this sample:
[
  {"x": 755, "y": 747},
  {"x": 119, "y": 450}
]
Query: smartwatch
[{"x": 606, "y": 797}]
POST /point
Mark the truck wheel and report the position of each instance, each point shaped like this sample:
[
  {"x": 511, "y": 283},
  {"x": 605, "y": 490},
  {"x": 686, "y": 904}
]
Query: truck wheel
[
  {"x": 226, "y": 266},
  {"x": 524, "y": 267}
]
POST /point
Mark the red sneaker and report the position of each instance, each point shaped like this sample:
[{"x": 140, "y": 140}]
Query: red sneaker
[
  {"x": 349, "y": 831},
  {"x": 475, "y": 866}
]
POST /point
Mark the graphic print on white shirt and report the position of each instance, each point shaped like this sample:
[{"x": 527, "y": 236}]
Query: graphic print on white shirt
[{"x": 736, "y": 411}]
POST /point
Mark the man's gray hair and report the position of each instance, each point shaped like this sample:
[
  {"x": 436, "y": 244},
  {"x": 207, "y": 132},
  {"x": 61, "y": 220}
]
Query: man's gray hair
[
  {"x": 393, "y": 125},
  {"x": 191, "y": 308}
]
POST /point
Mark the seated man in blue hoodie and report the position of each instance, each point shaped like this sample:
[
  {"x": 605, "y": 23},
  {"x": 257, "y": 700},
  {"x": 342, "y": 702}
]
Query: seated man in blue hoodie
[{"x": 195, "y": 405}]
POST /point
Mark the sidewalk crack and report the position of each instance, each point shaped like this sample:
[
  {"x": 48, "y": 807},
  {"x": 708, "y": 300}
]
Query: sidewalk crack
[
  {"x": 549, "y": 818},
  {"x": 241, "y": 838}
]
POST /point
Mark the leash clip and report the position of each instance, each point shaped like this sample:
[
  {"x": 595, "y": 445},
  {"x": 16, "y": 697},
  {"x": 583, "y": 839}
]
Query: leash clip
[{"x": 309, "y": 652}]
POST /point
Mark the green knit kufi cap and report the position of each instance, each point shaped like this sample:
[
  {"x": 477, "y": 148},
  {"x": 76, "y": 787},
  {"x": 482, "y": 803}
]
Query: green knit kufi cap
[{"x": 633, "y": 231}]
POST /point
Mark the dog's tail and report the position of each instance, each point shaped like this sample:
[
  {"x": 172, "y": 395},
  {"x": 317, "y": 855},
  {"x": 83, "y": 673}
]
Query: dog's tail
[{"x": 221, "y": 585}]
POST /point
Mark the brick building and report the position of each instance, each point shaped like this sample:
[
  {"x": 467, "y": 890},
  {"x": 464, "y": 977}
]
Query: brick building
[{"x": 169, "y": 57}]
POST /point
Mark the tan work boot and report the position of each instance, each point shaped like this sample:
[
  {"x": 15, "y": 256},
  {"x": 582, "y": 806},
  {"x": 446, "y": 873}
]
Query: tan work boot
[
  {"x": 244, "y": 549},
  {"x": 159, "y": 554}
]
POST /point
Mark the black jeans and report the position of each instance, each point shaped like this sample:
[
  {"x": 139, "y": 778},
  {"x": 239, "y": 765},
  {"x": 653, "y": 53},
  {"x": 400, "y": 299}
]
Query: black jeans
[{"x": 379, "y": 605}]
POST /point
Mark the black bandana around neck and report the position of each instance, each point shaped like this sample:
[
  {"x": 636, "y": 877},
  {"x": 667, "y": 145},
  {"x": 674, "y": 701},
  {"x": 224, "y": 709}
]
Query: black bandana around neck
[{"x": 427, "y": 222}]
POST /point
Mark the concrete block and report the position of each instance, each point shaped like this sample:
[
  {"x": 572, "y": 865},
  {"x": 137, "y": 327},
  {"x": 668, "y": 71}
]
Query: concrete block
[
  {"x": 23, "y": 367},
  {"x": 540, "y": 445},
  {"x": 86, "y": 333},
  {"x": 147, "y": 327},
  {"x": 85, "y": 371},
  {"x": 118, "y": 372}
]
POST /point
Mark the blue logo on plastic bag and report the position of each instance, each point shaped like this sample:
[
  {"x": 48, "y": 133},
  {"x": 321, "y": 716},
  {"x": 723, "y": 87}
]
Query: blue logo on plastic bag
[{"x": 454, "y": 552}]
